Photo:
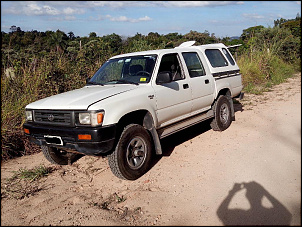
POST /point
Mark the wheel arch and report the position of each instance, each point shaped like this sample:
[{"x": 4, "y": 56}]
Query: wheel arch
[
  {"x": 224, "y": 91},
  {"x": 143, "y": 118},
  {"x": 227, "y": 92}
]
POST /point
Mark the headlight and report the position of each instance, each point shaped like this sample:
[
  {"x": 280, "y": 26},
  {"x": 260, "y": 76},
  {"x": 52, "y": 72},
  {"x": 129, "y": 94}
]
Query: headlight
[
  {"x": 29, "y": 115},
  {"x": 93, "y": 119},
  {"x": 84, "y": 118}
]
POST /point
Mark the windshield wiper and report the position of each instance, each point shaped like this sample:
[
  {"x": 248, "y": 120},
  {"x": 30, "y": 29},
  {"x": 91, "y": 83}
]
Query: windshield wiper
[
  {"x": 94, "y": 83},
  {"x": 124, "y": 82},
  {"x": 127, "y": 82}
]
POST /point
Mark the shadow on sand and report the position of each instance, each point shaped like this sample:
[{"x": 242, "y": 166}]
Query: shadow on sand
[
  {"x": 170, "y": 142},
  {"x": 276, "y": 214}
]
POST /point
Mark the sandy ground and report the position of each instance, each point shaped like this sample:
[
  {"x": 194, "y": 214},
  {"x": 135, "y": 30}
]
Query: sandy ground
[{"x": 249, "y": 174}]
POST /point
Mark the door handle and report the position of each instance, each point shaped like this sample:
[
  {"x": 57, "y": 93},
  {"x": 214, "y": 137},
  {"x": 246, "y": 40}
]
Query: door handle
[
  {"x": 206, "y": 81},
  {"x": 185, "y": 86}
]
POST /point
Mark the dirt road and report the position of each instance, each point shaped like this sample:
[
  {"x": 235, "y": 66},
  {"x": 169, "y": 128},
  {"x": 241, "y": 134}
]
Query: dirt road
[{"x": 249, "y": 174}]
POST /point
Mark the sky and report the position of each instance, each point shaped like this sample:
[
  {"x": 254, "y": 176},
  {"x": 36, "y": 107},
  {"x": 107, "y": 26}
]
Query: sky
[{"x": 127, "y": 18}]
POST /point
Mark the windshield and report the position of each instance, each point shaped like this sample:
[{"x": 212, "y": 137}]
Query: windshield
[{"x": 133, "y": 70}]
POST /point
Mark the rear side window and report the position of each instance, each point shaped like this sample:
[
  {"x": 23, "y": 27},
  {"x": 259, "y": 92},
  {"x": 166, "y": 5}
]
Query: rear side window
[
  {"x": 228, "y": 55},
  {"x": 194, "y": 64},
  {"x": 216, "y": 58}
]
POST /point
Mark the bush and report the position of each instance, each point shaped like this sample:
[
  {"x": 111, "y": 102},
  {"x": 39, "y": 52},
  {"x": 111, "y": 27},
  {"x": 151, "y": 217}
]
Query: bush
[{"x": 260, "y": 70}]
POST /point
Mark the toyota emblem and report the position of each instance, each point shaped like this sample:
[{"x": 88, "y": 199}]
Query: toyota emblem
[{"x": 50, "y": 117}]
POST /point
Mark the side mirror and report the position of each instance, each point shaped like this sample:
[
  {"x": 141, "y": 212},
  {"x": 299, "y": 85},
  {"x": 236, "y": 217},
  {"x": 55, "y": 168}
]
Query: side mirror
[{"x": 164, "y": 77}]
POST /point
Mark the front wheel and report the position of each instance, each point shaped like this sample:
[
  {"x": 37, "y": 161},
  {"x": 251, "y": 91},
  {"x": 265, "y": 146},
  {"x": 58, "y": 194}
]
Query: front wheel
[
  {"x": 222, "y": 114},
  {"x": 132, "y": 155},
  {"x": 59, "y": 156}
]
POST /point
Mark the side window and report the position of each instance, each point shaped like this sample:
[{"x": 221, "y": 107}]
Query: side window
[
  {"x": 228, "y": 55},
  {"x": 194, "y": 64},
  {"x": 216, "y": 58},
  {"x": 170, "y": 63}
]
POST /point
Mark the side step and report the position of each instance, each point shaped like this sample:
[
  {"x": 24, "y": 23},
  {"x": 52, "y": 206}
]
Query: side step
[{"x": 168, "y": 130}]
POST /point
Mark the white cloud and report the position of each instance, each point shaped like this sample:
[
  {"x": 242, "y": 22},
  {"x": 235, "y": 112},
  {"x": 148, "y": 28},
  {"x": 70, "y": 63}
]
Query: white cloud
[
  {"x": 126, "y": 19},
  {"x": 124, "y": 4},
  {"x": 70, "y": 10},
  {"x": 79, "y": 7},
  {"x": 252, "y": 16},
  {"x": 145, "y": 18},
  {"x": 31, "y": 9},
  {"x": 113, "y": 4},
  {"x": 196, "y": 3},
  {"x": 50, "y": 10},
  {"x": 40, "y": 9}
]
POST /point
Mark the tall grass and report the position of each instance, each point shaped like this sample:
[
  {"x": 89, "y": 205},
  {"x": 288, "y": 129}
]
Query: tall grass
[
  {"x": 261, "y": 70},
  {"x": 29, "y": 81}
]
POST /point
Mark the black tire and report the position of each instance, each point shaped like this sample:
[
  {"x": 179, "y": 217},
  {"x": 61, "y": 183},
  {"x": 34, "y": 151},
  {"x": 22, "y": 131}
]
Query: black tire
[
  {"x": 132, "y": 155},
  {"x": 222, "y": 114},
  {"x": 58, "y": 156}
]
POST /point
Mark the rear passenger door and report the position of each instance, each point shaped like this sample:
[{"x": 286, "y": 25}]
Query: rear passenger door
[
  {"x": 202, "y": 82},
  {"x": 173, "y": 99}
]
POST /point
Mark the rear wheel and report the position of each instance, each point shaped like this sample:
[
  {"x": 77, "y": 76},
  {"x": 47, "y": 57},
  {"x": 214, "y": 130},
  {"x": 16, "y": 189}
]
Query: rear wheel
[
  {"x": 59, "y": 156},
  {"x": 222, "y": 114},
  {"x": 132, "y": 156}
]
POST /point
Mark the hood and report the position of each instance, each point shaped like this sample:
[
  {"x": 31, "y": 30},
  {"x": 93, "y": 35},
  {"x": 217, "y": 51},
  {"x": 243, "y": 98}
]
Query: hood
[{"x": 80, "y": 99}]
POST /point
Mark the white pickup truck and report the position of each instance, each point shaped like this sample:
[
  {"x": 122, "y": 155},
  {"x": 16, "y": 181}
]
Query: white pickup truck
[{"x": 132, "y": 102}]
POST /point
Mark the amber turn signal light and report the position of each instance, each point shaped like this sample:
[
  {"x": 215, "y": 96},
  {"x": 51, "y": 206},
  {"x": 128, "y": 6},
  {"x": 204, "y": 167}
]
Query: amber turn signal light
[
  {"x": 84, "y": 137},
  {"x": 26, "y": 131}
]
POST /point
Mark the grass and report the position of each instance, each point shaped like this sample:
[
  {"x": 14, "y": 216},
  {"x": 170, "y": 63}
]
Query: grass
[
  {"x": 31, "y": 174},
  {"x": 24, "y": 182},
  {"x": 261, "y": 70}
]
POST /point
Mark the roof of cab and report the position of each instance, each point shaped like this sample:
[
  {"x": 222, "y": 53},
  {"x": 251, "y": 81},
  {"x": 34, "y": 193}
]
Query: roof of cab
[{"x": 184, "y": 46}]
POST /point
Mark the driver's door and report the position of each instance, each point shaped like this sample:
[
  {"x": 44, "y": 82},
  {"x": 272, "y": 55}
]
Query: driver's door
[{"x": 173, "y": 99}]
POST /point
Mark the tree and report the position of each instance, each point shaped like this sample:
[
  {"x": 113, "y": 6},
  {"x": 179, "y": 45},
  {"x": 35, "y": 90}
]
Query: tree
[
  {"x": 92, "y": 35},
  {"x": 250, "y": 32},
  {"x": 58, "y": 40},
  {"x": 13, "y": 28},
  {"x": 278, "y": 22},
  {"x": 71, "y": 35},
  {"x": 200, "y": 38},
  {"x": 114, "y": 40}
]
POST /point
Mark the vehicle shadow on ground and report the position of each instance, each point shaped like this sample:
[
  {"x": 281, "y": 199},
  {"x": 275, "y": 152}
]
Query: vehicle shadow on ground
[
  {"x": 238, "y": 106},
  {"x": 170, "y": 142},
  {"x": 258, "y": 214}
]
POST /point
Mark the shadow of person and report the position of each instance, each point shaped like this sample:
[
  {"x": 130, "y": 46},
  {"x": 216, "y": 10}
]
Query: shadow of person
[{"x": 277, "y": 214}]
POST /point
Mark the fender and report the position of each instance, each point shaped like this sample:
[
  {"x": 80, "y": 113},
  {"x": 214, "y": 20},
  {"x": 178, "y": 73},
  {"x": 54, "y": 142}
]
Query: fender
[{"x": 130, "y": 101}]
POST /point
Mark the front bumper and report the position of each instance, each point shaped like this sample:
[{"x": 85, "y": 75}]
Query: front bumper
[{"x": 102, "y": 138}]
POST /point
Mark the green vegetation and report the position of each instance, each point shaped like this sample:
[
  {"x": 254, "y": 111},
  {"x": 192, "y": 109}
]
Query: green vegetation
[
  {"x": 24, "y": 182},
  {"x": 39, "y": 64},
  {"x": 32, "y": 174}
]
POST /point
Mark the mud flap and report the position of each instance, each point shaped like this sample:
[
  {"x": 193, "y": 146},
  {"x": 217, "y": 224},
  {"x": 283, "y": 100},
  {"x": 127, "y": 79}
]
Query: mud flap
[
  {"x": 232, "y": 107},
  {"x": 149, "y": 125}
]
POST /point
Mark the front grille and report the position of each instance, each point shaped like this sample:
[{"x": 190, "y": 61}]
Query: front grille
[{"x": 53, "y": 117}]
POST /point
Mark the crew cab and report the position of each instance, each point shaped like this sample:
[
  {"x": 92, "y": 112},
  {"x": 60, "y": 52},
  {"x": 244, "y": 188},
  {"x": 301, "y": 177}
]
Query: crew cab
[{"x": 132, "y": 102}]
